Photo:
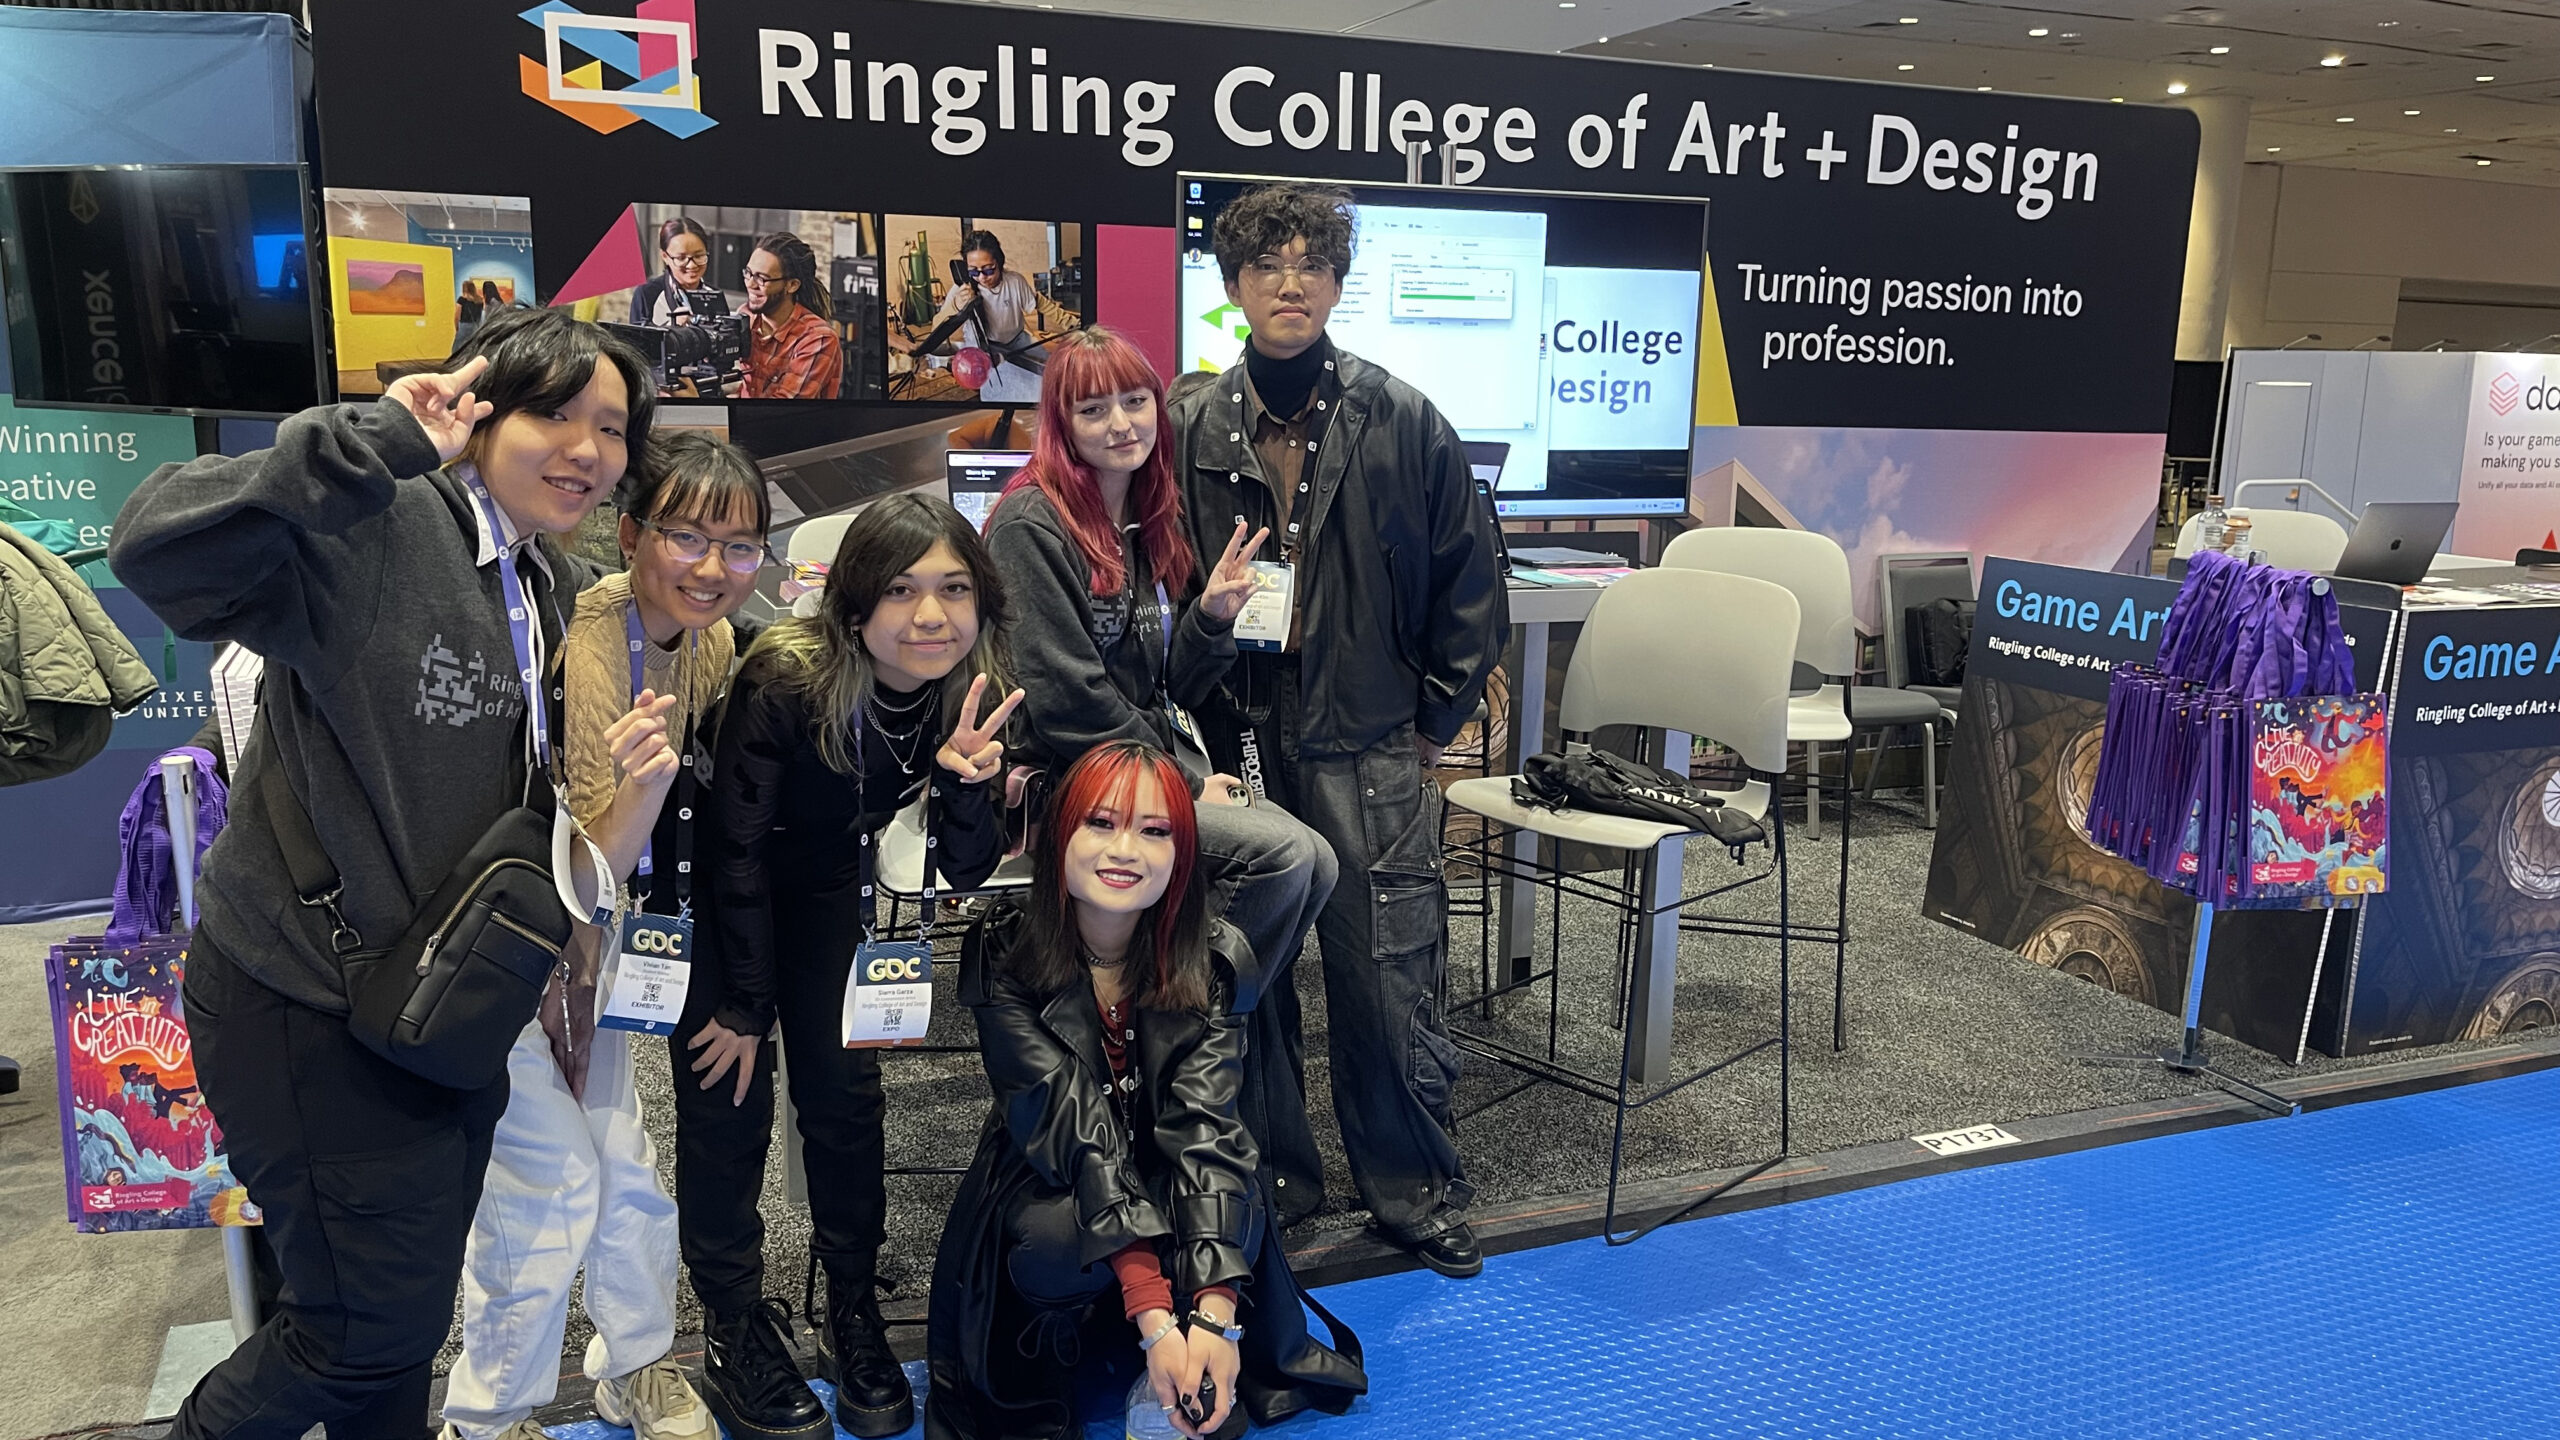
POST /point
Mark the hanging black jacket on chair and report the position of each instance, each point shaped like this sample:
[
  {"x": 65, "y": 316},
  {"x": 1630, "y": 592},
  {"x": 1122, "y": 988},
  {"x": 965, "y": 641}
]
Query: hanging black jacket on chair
[{"x": 1188, "y": 1185}]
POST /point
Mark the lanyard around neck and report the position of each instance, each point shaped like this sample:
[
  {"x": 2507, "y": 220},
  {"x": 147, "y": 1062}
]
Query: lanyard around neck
[
  {"x": 520, "y": 620},
  {"x": 685, "y": 778}
]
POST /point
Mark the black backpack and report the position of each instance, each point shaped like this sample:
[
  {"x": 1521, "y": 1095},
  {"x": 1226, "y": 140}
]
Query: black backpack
[
  {"x": 1607, "y": 783},
  {"x": 1940, "y": 633}
]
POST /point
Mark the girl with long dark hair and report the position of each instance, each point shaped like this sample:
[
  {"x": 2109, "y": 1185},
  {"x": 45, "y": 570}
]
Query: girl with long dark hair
[
  {"x": 1113, "y": 1156},
  {"x": 836, "y": 722},
  {"x": 388, "y": 562},
  {"x": 1119, "y": 629}
]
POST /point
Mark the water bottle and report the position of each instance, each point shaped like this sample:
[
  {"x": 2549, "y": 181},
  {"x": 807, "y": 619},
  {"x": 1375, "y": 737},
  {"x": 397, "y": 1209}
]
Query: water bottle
[
  {"x": 2236, "y": 532},
  {"x": 1147, "y": 1419},
  {"x": 2209, "y": 523}
]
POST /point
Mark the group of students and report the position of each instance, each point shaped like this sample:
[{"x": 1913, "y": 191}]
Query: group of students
[{"x": 1208, "y": 785}]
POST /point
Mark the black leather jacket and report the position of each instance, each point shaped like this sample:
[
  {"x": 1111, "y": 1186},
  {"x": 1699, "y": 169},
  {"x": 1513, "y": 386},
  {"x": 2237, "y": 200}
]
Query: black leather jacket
[
  {"x": 1188, "y": 1186},
  {"x": 1400, "y": 584},
  {"x": 1189, "y": 1182}
]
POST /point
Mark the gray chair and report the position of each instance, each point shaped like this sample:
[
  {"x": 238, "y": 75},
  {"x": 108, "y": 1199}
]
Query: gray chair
[{"x": 1644, "y": 659}]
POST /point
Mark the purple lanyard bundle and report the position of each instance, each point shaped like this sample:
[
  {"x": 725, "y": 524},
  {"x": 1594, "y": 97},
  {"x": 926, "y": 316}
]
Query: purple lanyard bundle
[{"x": 2175, "y": 767}]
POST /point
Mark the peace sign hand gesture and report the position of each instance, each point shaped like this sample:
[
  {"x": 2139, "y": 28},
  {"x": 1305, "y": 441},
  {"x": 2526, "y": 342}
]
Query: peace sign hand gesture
[
  {"x": 444, "y": 405},
  {"x": 973, "y": 752},
  {"x": 1231, "y": 580}
]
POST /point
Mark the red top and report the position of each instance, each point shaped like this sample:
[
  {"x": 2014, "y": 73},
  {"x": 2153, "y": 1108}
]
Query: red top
[
  {"x": 1137, "y": 1266},
  {"x": 797, "y": 360}
]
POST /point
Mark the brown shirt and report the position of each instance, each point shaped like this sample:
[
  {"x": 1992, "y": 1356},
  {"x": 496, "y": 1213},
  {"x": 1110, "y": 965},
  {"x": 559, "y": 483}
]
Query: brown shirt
[{"x": 1282, "y": 445}]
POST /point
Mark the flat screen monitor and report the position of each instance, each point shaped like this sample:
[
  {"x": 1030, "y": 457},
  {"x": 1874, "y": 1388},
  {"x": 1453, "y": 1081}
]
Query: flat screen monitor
[
  {"x": 978, "y": 479},
  {"x": 1564, "y": 327},
  {"x": 182, "y": 288}
]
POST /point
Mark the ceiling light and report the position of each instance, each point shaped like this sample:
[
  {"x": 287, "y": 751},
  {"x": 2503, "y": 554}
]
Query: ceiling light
[
  {"x": 2038, "y": 33},
  {"x": 2386, "y": 24},
  {"x": 2479, "y": 162},
  {"x": 1981, "y": 87},
  {"x": 1910, "y": 19},
  {"x": 2070, "y": 34},
  {"x": 2483, "y": 79},
  {"x": 1564, "y": 4},
  {"x": 2333, "y": 61},
  {"x": 1902, "y": 67},
  {"x": 2408, "y": 112},
  {"x": 2219, "y": 50},
  {"x": 2275, "y": 149},
  {"x": 2115, "y": 99},
  {"x": 2452, "y": 130},
  {"x": 2346, "y": 119},
  {"x": 2177, "y": 87}
]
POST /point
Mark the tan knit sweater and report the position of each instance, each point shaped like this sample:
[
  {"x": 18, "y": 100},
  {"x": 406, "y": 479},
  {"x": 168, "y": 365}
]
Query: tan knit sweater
[{"x": 596, "y": 659}]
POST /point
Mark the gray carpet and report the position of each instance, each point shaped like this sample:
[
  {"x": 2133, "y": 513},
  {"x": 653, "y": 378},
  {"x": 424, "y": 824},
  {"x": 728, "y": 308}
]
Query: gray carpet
[{"x": 1944, "y": 1031}]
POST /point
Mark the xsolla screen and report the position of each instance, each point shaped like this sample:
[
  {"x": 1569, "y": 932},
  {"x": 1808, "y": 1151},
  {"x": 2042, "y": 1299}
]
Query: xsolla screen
[{"x": 1563, "y": 327}]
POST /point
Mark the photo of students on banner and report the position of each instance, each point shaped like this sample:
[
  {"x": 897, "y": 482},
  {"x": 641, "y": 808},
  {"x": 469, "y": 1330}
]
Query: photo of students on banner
[
  {"x": 753, "y": 304},
  {"x": 412, "y": 274},
  {"x": 977, "y": 303}
]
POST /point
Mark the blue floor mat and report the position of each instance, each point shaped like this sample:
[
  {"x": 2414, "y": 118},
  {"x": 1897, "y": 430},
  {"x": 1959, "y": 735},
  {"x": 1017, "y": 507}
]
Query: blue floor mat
[{"x": 2365, "y": 1271}]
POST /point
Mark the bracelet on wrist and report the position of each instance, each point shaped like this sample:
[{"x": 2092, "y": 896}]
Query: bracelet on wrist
[
  {"x": 1171, "y": 1324},
  {"x": 1228, "y": 1328}
]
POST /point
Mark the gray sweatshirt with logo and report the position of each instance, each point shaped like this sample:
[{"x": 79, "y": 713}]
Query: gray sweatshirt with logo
[{"x": 346, "y": 557}]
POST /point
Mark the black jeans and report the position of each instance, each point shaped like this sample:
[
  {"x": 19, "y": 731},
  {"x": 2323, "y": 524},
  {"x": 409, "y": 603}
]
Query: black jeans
[
  {"x": 1384, "y": 935},
  {"x": 722, "y": 1149},
  {"x": 368, "y": 1176}
]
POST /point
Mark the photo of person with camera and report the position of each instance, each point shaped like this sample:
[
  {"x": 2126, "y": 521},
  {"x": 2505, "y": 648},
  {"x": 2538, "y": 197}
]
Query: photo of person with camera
[
  {"x": 681, "y": 296},
  {"x": 750, "y": 303}
]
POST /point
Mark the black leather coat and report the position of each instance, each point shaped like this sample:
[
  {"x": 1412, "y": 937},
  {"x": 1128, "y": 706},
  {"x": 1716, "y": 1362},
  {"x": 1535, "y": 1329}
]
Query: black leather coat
[
  {"x": 1188, "y": 1186},
  {"x": 1400, "y": 571}
]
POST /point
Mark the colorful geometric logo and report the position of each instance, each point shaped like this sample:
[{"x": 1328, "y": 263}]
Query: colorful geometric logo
[
  {"x": 650, "y": 56},
  {"x": 2504, "y": 392}
]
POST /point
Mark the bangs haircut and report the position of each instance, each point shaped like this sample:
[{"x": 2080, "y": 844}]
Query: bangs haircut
[
  {"x": 692, "y": 476},
  {"x": 540, "y": 360},
  {"x": 1264, "y": 219},
  {"x": 820, "y": 657},
  {"x": 1170, "y": 947},
  {"x": 1083, "y": 366}
]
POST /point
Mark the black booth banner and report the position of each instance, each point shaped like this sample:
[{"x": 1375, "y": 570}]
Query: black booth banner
[
  {"x": 2467, "y": 943},
  {"x": 1883, "y": 255},
  {"x": 2012, "y": 861}
]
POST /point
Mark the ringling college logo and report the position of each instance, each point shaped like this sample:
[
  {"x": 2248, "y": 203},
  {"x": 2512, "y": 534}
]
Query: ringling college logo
[
  {"x": 650, "y": 54},
  {"x": 2504, "y": 392}
]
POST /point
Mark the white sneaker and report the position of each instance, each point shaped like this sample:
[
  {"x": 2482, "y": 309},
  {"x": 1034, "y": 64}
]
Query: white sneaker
[
  {"x": 521, "y": 1430},
  {"x": 654, "y": 1402}
]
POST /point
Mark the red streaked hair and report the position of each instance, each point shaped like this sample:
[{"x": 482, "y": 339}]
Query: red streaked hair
[
  {"x": 1171, "y": 935},
  {"x": 1099, "y": 361}
]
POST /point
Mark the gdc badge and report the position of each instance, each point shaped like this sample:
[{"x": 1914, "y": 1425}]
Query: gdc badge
[
  {"x": 651, "y": 975},
  {"x": 889, "y": 1000}
]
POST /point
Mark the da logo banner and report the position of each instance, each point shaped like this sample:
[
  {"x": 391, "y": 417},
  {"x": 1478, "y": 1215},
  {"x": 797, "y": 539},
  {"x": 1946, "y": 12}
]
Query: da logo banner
[{"x": 632, "y": 70}]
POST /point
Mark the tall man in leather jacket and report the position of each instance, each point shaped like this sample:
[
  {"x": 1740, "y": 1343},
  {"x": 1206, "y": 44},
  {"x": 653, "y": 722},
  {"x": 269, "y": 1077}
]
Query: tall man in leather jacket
[{"x": 1396, "y": 618}]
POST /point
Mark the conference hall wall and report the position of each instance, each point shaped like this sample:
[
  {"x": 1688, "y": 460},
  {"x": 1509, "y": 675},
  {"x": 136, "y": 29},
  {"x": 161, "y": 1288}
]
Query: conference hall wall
[{"x": 1939, "y": 320}]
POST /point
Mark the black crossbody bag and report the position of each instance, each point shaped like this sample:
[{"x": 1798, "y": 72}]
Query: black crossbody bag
[{"x": 448, "y": 998}]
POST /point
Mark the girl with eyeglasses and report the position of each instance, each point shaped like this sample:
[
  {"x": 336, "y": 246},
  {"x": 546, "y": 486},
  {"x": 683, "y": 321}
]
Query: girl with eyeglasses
[
  {"x": 682, "y": 287},
  {"x": 839, "y": 720},
  {"x": 573, "y": 1179},
  {"x": 1005, "y": 311}
]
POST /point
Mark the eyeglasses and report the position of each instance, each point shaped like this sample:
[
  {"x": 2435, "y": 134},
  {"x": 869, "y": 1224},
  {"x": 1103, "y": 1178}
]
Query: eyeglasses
[
  {"x": 1267, "y": 270},
  {"x": 986, "y": 272},
  {"x": 693, "y": 261},
  {"x": 757, "y": 280},
  {"x": 742, "y": 557}
]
